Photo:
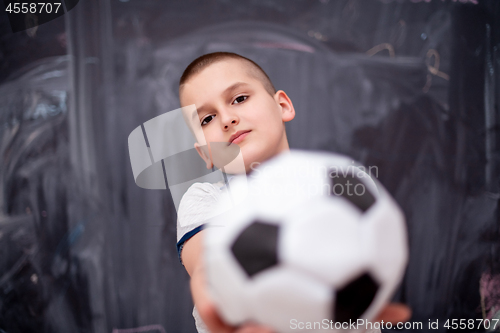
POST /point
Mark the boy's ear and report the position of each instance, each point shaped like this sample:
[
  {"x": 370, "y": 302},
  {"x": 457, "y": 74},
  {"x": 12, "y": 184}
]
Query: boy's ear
[
  {"x": 287, "y": 109},
  {"x": 204, "y": 154}
]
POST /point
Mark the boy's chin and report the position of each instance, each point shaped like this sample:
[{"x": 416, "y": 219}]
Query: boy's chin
[
  {"x": 236, "y": 166},
  {"x": 224, "y": 160}
]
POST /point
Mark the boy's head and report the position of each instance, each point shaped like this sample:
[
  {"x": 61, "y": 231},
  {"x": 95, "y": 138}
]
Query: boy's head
[{"x": 236, "y": 103}]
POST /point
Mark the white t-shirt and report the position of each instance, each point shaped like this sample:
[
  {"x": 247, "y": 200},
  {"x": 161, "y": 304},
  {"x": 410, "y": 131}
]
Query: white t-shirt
[{"x": 197, "y": 205}]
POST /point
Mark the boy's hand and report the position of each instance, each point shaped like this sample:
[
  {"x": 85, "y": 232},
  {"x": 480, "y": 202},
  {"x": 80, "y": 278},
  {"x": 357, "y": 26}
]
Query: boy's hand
[{"x": 192, "y": 259}]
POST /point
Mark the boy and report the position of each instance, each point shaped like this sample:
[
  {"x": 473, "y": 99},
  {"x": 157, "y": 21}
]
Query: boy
[{"x": 236, "y": 103}]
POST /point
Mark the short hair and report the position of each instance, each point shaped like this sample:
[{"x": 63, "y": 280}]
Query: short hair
[{"x": 200, "y": 63}]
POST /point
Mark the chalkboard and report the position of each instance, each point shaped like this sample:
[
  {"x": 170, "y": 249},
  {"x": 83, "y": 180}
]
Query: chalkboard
[{"x": 410, "y": 87}]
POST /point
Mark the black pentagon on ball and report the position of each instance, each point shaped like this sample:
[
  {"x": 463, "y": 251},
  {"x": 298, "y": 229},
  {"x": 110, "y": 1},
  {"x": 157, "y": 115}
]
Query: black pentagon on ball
[
  {"x": 347, "y": 186},
  {"x": 256, "y": 248},
  {"x": 352, "y": 300}
]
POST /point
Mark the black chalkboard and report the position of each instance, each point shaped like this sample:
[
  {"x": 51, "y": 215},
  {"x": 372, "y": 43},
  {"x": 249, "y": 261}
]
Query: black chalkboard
[{"x": 409, "y": 86}]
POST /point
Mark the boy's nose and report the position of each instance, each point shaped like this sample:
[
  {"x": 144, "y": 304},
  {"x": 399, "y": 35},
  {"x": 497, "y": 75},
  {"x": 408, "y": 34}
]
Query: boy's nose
[
  {"x": 232, "y": 122},
  {"x": 229, "y": 119}
]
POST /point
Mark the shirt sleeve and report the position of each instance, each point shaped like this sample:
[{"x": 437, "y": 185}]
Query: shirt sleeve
[{"x": 196, "y": 207}]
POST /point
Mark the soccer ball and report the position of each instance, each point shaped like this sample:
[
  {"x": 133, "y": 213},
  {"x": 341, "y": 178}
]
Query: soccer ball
[{"x": 307, "y": 238}]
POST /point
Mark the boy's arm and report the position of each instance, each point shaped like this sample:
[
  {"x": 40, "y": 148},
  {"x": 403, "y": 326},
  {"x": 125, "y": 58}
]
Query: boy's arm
[
  {"x": 193, "y": 262},
  {"x": 192, "y": 257}
]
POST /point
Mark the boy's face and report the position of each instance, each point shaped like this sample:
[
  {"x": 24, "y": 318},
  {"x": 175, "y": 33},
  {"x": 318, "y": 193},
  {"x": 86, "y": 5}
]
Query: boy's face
[{"x": 234, "y": 107}]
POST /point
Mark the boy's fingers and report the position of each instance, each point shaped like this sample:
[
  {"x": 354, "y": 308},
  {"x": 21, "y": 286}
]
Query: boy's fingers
[{"x": 395, "y": 312}]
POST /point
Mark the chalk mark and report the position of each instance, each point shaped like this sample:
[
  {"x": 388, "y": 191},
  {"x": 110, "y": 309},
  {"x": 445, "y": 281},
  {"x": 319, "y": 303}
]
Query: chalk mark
[
  {"x": 380, "y": 47},
  {"x": 433, "y": 69}
]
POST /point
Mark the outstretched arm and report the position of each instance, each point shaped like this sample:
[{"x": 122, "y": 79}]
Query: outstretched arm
[{"x": 192, "y": 257}]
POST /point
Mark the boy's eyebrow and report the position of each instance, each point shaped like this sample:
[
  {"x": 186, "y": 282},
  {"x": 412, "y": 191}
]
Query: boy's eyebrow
[{"x": 226, "y": 91}]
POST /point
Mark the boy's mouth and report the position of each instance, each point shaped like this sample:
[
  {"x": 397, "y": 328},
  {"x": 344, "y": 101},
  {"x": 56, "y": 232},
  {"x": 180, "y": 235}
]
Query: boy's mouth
[{"x": 238, "y": 136}]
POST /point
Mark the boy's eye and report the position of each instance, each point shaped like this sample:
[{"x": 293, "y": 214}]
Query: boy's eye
[
  {"x": 206, "y": 120},
  {"x": 240, "y": 99}
]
